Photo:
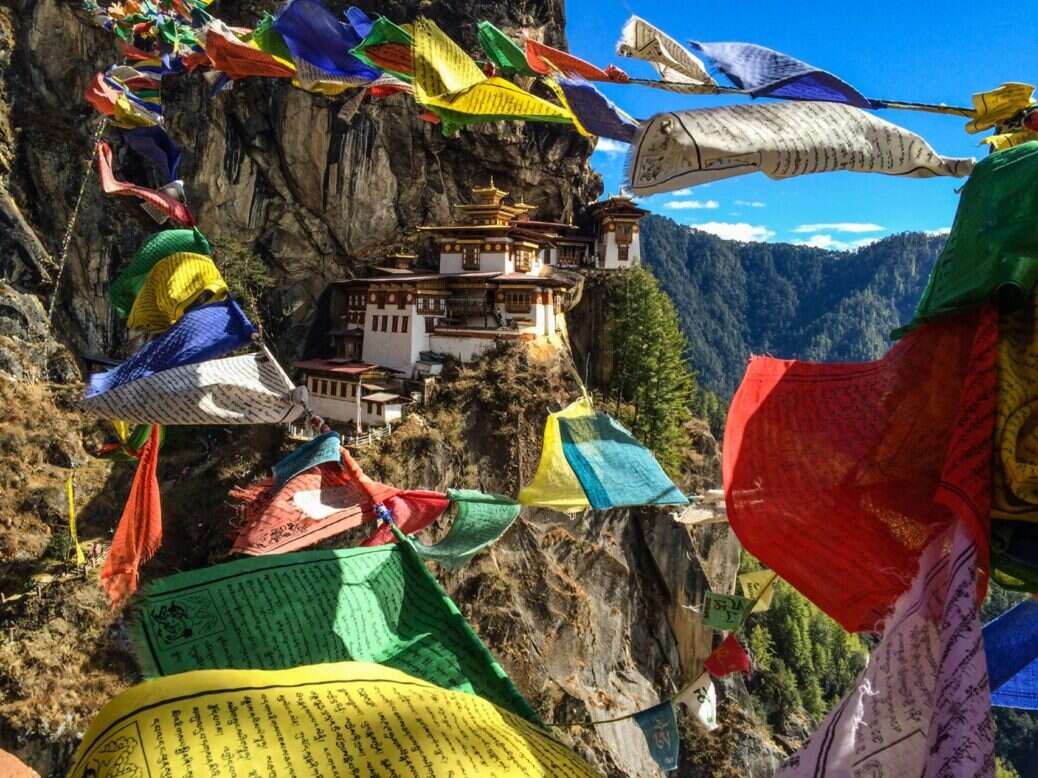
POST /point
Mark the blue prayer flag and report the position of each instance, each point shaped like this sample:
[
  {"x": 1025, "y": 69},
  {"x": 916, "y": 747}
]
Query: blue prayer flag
[
  {"x": 203, "y": 333},
  {"x": 153, "y": 143},
  {"x": 323, "y": 448},
  {"x": 1011, "y": 645},
  {"x": 614, "y": 469},
  {"x": 359, "y": 21},
  {"x": 661, "y": 733},
  {"x": 763, "y": 72},
  {"x": 595, "y": 112},
  {"x": 316, "y": 37}
]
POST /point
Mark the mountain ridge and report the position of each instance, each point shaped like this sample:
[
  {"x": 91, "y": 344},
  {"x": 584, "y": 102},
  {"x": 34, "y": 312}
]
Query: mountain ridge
[{"x": 735, "y": 299}]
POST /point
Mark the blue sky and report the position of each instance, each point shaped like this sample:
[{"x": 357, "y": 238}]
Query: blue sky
[{"x": 920, "y": 51}]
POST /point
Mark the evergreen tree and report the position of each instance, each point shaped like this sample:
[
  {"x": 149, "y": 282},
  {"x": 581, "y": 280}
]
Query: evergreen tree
[{"x": 652, "y": 388}]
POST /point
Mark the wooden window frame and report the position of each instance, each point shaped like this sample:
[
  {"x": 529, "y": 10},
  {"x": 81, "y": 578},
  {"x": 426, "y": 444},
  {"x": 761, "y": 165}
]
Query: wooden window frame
[{"x": 470, "y": 256}]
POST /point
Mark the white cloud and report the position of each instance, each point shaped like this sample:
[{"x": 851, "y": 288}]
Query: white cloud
[
  {"x": 750, "y": 203},
  {"x": 830, "y": 243},
  {"x": 938, "y": 232},
  {"x": 840, "y": 227},
  {"x": 741, "y": 231},
  {"x": 682, "y": 205},
  {"x": 681, "y": 192},
  {"x": 610, "y": 147}
]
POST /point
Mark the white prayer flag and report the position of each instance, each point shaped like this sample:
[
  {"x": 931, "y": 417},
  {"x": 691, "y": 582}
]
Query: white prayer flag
[
  {"x": 699, "y": 700},
  {"x": 249, "y": 389},
  {"x": 781, "y": 140},
  {"x": 671, "y": 60},
  {"x": 922, "y": 706}
]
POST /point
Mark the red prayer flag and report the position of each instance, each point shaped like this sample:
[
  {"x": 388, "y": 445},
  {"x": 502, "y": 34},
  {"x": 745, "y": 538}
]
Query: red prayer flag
[
  {"x": 728, "y": 658},
  {"x": 102, "y": 95},
  {"x": 545, "y": 60},
  {"x": 139, "y": 533},
  {"x": 169, "y": 205},
  {"x": 237, "y": 59},
  {"x": 412, "y": 512},
  {"x": 837, "y": 476}
]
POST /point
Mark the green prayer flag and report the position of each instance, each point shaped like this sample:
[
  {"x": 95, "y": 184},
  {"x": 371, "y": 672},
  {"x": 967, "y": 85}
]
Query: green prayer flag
[
  {"x": 377, "y": 604},
  {"x": 481, "y": 519},
  {"x": 131, "y": 278},
  {"x": 383, "y": 32},
  {"x": 506, "y": 55},
  {"x": 993, "y": 245},
  {"x": 269, "y": 40},
  {"x": 725, "y": 611}
]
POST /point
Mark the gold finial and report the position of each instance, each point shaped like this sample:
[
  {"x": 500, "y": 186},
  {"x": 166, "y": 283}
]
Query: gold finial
[{"x": 492, "y": 183}]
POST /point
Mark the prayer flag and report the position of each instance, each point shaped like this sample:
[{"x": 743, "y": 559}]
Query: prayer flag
[
  {"x": 922, "y": 706},
  {"x": 441, "y": 67},
  {"x": 614, "y": 469},
  {"x": 238, "y": 59},
  {"x": 593, "y": 112},
  {"x": 323, "y": 448},
  {"x": 999, "y": 105},
  {"x": 345, "y": 718},
  {"x": 1010, "y": 139},
  {"x": 70, "y": 493},
  {"x": 699, "y": 700},
  {"x": 155, "y": 145},
  {"x": 899, "y": 449},
  {"x": 481, "y": 520},
  {"x": 139, "y": 533},
  {"x": 359, "y": 21},
  {"x": 555, "y": 485},
  {"x": 759, "y": 584},
  {"x": 661, "y": 734},
  {"x": 205, "y": 332},
  {"x": 546, "y": 60},
  {"x": 728, "y": 658},
  {"x": 388, "y": 47},
  {"x": 128, "y": 283},
  {"x": 318, "y": 40},
  {"x": 112, "y": 186},
  {"x": 672, "y": 61},
  {"x": 13, "y": 767},
  {"x": 363, "y": 604},
  {"x": 725, "y": 612},
  {"x": 993, "y": 246},
  {"x": 505, "y": 53},
  {"x": 781, "y": 140},
  {"x": 173, "y": 285},
  {"x": 249, "y": 389},
  {"x": 762, "y": 72},
  {"x": 1011, "y": 646},
  {"x": 1015, "y": 495}
]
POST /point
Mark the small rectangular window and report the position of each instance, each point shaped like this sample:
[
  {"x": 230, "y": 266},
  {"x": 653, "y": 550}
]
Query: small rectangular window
[
  {"x": 395, "y": 323},
  {"x": 470, "y": 257},
  {"x": 403, "y": 323}
]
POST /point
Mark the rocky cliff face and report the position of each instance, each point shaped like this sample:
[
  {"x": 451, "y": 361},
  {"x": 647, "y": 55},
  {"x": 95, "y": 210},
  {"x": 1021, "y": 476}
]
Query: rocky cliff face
[
  {"x": 590, "y": 614},
  {"x": 311, "y": 184}
]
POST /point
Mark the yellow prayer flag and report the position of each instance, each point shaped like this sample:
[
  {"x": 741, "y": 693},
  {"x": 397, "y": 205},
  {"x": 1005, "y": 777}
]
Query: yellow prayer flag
[
  {"x": 1009, "y": 139},
  {"x": 344, "y": 718},
  {"x": 555, "y": 485},
  {"x": 441, "y": 67},
  {"x": 129, "y": 115},
  {"x": 998, "y": 105},
  {"x": 1015, "y": 484},
  {"x": 122, "y": 429},
  {"x": 173, "y": 285},
  {"x": 759, "y": 584},
  {"x": 496, "y": 98},
  {"x": 70, "y": 491}
]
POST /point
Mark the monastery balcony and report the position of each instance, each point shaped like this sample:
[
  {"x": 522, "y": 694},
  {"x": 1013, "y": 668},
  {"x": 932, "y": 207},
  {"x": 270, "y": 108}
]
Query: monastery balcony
[{"x": 469, "y": 306}]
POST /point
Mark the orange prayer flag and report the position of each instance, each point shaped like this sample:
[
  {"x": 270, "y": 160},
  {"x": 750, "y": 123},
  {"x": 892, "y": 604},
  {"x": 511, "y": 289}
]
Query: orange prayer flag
[{"x": 139, "y": 533}]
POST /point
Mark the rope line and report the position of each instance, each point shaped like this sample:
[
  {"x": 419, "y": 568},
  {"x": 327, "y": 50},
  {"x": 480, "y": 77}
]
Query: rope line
[{"x": 102, "y": 125}]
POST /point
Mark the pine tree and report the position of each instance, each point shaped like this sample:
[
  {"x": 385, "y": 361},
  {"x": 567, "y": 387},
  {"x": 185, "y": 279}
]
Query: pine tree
[{"x": 652, "y": 388}]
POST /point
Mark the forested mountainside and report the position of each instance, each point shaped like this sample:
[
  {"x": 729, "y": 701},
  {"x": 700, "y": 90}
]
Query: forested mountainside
[{"x": 735, "y": 299}]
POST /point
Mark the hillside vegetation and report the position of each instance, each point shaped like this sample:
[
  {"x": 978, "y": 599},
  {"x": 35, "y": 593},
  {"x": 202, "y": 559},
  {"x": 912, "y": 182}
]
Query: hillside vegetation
[{"x": 737, "y": 299}]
